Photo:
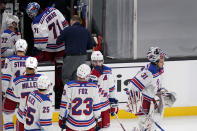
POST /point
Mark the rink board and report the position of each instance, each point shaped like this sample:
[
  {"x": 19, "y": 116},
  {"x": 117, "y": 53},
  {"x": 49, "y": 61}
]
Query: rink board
[
  {"x": 179, "y": 76},
  {"x": 169, "y": 112}
]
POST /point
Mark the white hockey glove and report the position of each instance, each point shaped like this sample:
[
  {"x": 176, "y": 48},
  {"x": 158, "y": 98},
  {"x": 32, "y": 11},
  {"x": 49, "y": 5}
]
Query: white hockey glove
[
  {"x": 135, "y": 99},
  {"x": 169, "y": 99}
]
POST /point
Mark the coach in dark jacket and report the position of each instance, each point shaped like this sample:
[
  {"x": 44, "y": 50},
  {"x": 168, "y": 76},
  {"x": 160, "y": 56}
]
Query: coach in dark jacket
[{"x": 77, "y": 40}]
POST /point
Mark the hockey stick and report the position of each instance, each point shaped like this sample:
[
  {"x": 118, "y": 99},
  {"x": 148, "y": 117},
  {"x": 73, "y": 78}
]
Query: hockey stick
[{"x": 120, "y": 122}]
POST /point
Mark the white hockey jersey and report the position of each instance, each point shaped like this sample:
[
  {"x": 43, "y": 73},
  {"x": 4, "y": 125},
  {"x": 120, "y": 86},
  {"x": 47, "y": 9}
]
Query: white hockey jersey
[
  {"x": 148, "y": 80},
  {"x": 46, "y": 28},
  {"x": 20, "y": 90},
  {"x": 106, "y": 85},
  {"x": 80, "y": 104},
  {"x": 14, "y": 67},
  {"x": 38, "y": 112},
  {"x": 8, "y": 40}
]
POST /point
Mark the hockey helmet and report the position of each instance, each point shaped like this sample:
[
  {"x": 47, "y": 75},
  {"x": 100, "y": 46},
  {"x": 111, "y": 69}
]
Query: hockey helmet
[
  {"x": 83, "y": 71},
  {"x": 32, "y": 9},
  {"x": 155, "y": 53},
  {"x": 21, "y": 45},
  {"x": 96, "y": 55},
  {"x": 10, "y": 19},
  {"x": 43, "y": 82},
  {"x": 31, "y": 62}
]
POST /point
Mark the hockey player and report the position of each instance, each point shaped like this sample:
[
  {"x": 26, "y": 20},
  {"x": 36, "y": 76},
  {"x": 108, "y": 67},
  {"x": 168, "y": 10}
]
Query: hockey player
[
  {"x": 143, "y": 89},
  {"x": 39, "y": 107},
  {"x": 9, "y": 37},
  {"x": 14, "y": 65},
  {"x": 80, "y": 104},
  {"x": 106, "y": 83},
  {"x": 47, "y": 25},
  {"x": 21, "y": 87}
]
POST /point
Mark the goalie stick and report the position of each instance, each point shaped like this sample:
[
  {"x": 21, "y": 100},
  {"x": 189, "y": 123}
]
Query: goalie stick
[{"x": 120, "y": 122}]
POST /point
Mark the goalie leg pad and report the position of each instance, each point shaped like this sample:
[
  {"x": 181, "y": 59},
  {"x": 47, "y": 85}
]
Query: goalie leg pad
[
  {"x": 135, "y": 100},
  {"x": 146, "y": 107}
]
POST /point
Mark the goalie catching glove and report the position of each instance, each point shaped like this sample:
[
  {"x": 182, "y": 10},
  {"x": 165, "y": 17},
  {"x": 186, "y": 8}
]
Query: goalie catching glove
[
  {"x": 135, "y": 99},
  {"x": 114, "y": 106},
  {"x": 169, "y": 97}
]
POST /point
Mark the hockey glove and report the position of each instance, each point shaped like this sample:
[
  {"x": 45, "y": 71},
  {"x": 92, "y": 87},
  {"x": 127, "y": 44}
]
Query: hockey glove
[
  {"x": 169, "y": 99},
  {"x": 114, "y": 106},
  {"x": 62, "y": 122}
]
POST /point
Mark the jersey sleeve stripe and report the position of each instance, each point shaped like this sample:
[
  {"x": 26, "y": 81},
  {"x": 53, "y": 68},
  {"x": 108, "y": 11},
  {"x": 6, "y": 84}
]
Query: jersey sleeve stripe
[
  {"x": 25, "y": 112},
  {"x": 20, "y": 113},
  {"x": 10, "y": 93},
  {"x": 65, "y": 23},
  {"x": 137, "y": 83},
  {"x": 20, "y": 80},
  {"x": 97, "y": 107},
  {"x": 64, "y": 105},
  {"x": 104, "y": 104},
  {"x": 8, "y": 126},
  {"x": 40, "y": 40},
  {"x": 112, "y": 88},
  {"x": 157, "y": 74},
  {"x": 6, "y": 77},
  {"x": 147, "y": 98}
]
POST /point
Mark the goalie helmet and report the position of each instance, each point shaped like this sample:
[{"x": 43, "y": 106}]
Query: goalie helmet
[
  {"x": 96, "y": 55},
  {"x": 32, "y": 9},
  {"x": 43, "y": 82},
  {"x": 31, "y": 62},
  {"x": 10, "y": 19},
  {"x": 155, "y": 53},
  {"x": 83, "y": 71},
  {"x": 21, "y": 45}
]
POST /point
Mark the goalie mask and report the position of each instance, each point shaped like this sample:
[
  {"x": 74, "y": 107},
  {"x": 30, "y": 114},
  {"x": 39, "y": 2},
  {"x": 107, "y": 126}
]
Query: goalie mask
[
  {"x": 32, "y": 9},
  {"x": 21, "y": 45},
  {"x": 83, "y": 71},
  {"x": 155, "y": 54}
]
